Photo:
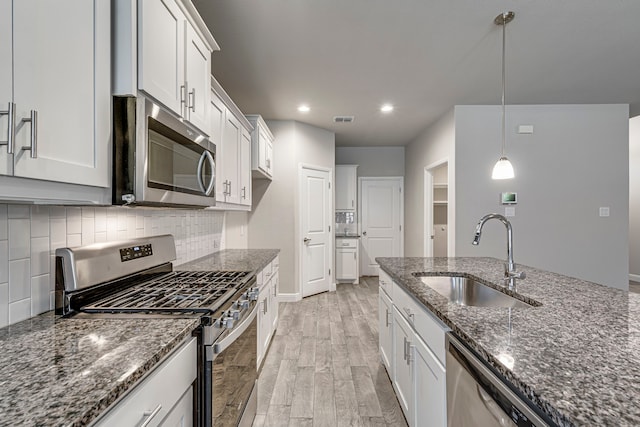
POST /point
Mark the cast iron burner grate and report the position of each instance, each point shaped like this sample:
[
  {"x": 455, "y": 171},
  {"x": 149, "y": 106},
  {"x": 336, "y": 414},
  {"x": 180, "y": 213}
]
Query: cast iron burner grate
[{"x": 175, "y": 292}]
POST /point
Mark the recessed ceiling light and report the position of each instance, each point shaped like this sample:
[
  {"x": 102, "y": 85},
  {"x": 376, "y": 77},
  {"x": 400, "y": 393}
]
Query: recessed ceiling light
[
  {"x": 304, "y": 108},
  {"x": 386, "y": 108}
]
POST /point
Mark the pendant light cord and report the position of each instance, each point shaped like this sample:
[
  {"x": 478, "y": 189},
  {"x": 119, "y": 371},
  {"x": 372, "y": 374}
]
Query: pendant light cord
[{"x": 504, "y": 40}]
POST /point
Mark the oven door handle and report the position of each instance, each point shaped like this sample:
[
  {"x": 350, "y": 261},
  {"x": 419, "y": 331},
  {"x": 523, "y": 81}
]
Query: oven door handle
[{"x": 220, "y": 346}]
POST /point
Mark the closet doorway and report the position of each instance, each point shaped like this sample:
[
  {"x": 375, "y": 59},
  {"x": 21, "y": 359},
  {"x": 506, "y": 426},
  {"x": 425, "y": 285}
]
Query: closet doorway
[{"x": 436, "y": 198}]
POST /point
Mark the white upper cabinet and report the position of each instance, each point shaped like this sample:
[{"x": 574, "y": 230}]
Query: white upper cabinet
[
  {"x": 231, "y": 158},
  {"x": 161, "y": 42},
  {"x": 346, "y": 185},
  {"x": 245, "y": 168},
  {"x": 262, "y": 148},
  {"x": 231, "y": 133},
  {"x": 56, "y": 72},
  {"x": 6, "y": 85},
  {"x": 174, "y": 58},
  {"x": 198, "y": 74}
]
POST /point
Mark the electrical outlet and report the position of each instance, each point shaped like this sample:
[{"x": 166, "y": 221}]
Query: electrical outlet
[{"x": 604, "y": 211}]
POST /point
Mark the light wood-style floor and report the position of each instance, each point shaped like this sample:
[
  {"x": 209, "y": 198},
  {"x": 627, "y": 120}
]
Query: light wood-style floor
[
  {"x": 323, "y": 366},
  {"x": 634, "y": 286}
]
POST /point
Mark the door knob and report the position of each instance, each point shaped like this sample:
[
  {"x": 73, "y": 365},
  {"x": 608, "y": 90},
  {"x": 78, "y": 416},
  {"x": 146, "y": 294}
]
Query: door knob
[
  {"x": 306, "y": 240},
  {"x": 364, "y": 233}
]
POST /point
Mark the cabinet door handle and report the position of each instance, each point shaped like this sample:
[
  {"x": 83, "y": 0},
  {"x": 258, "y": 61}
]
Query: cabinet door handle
[
  {"x": 150, "y": 415},
  {"x": 409, "y": 313},
  {"x": 244, "y": 192},
  {"x": 33, "y": 147},
  {"x": 10, "y": 112},
  {"x": 352, "y": 203},
  {"x": 354, "y": 255},
  {"x": 409, "y": 349},
  {"x": 192, "y": 97},
  {"x": 405, "y": 348},
  {"x": 183, "y": 91},
  {"x": 387, "y": 317}
]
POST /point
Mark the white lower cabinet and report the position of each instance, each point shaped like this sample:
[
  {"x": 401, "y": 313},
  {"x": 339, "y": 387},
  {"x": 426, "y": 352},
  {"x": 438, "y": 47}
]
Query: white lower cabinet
[
  {"x": 267, "y": 307},
  {"x": 411, "y": 343},
  {"x": 164, "y": 398},
  {"x": 430, "y": 386},
  {"x": 347, "y": 260},
  {"x": 403, "y": 380},
  {"x": 385, "y": 329}
]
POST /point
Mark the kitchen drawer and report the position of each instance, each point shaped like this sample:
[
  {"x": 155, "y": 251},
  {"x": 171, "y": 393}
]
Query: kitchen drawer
[
  {"x": 427, "y": 326},
  {"x": 385, "y": 282},
  {"x": 346, "y": 243},
  {"x": 160, "y": 391}
]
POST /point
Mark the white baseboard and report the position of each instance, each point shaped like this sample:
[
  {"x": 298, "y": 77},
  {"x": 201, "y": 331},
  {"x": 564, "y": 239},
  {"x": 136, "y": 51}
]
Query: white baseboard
[
  {"x": 289, "y": 297},
  {"x": 634, "y": 277},
  {"x": 332, "y": 287}
]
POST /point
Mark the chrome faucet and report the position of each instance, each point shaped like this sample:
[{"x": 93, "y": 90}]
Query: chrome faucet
[{"x": 510, "y": 273}]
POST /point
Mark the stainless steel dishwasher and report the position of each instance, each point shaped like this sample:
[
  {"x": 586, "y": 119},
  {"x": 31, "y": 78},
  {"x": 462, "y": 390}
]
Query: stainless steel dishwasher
[{"x": 477, "y": 397}]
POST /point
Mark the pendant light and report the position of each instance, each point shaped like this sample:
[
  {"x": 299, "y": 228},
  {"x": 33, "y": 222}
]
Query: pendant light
[{"x": 503, "y": 168}]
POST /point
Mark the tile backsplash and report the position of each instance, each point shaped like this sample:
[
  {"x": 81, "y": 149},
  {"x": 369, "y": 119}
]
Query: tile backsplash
[
  {"x": 346, "y": 222},
  {"x": 30, "y": 234}
]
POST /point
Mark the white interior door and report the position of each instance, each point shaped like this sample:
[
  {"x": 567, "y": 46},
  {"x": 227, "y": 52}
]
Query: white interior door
[
  {"x": 315, "y": 236},
  {"x": 381, "y": 208}
]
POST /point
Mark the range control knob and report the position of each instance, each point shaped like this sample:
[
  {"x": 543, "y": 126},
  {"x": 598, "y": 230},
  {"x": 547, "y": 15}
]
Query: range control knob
[
  {"x": 227, "y": 322},
  {"x": 243, "y": 304},
  {"x": 235, "y": 314},
  {"x": 253, "y": 294}
]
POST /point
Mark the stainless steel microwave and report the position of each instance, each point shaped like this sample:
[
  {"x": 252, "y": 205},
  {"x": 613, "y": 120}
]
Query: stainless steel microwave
[{"x": 158, "y": 159}]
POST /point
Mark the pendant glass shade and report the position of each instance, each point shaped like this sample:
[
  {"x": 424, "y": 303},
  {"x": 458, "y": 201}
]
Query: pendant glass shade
[{"x": 502, "y": 169}]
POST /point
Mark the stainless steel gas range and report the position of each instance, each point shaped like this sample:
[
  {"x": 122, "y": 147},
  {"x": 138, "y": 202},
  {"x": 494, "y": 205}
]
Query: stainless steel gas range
[{"x": 136, "y": 278}]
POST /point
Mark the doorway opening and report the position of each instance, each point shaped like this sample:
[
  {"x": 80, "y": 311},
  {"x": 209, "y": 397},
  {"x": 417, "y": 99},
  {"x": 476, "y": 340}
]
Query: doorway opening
[{"x": 436, "y": 210}]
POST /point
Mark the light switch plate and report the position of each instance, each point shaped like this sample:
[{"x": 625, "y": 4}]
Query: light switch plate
[
  {"x": 604, "y": 211},
  {"x": 509, "y": 211},
  {"x": 525, "y": 129}
]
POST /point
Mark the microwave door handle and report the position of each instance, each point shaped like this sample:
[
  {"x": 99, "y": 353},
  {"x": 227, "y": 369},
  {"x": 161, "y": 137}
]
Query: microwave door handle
[
  {"x": 212, "y": 164},
  {"x": 199, "y": 172}
]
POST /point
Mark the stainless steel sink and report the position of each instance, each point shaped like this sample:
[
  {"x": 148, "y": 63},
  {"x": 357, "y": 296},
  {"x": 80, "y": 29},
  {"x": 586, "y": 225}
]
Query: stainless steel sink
[{"x": 466, "y": 291}]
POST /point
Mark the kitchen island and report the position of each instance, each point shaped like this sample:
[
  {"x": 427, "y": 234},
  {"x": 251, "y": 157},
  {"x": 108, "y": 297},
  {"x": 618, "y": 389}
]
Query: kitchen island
[
  {"x": 58, "y": 371},
  {"x": 576, "y": 356}
]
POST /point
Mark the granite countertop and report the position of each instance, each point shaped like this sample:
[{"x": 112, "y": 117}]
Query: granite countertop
[
  {"x": 66, "y": 371},
  {"x": 577, "y": 356},
  {"x": 252, "y": 260}
]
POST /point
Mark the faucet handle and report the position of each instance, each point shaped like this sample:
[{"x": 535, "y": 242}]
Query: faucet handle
[{"x": 517, "y": 274}]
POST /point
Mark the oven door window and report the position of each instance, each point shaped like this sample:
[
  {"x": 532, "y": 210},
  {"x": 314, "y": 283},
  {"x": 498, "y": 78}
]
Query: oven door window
[
  {"x": 176, "y": 163},
  {"x": 234, "y": 375}
]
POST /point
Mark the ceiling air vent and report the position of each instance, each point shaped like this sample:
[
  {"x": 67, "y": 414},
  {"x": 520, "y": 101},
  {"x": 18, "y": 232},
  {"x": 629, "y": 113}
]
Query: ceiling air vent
[{"x": 343, "y": 119}]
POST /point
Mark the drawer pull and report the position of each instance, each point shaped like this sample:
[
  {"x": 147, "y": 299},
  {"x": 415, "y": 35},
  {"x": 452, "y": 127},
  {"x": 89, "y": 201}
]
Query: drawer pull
[
  {"x": 150, "y": 415},
  {"x": 409, "y": 313},
  {"x": 387, "y": 319}
]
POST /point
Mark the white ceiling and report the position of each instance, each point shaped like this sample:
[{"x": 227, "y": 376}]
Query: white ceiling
[{"x": 347, "y": 57}]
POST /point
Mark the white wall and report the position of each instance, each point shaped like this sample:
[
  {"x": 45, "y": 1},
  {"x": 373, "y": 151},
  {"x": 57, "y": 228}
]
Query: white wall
[
  {"x": 634, "y": 198},
  {"x": 433, "y": 145},
  {"x": 576, "y": 161},
  {"x": 373, "y": 161},
  {"x": 29, "y": 236},
  {"x": 236, "y": 229},
  {"x": 273, "y": 221}
]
